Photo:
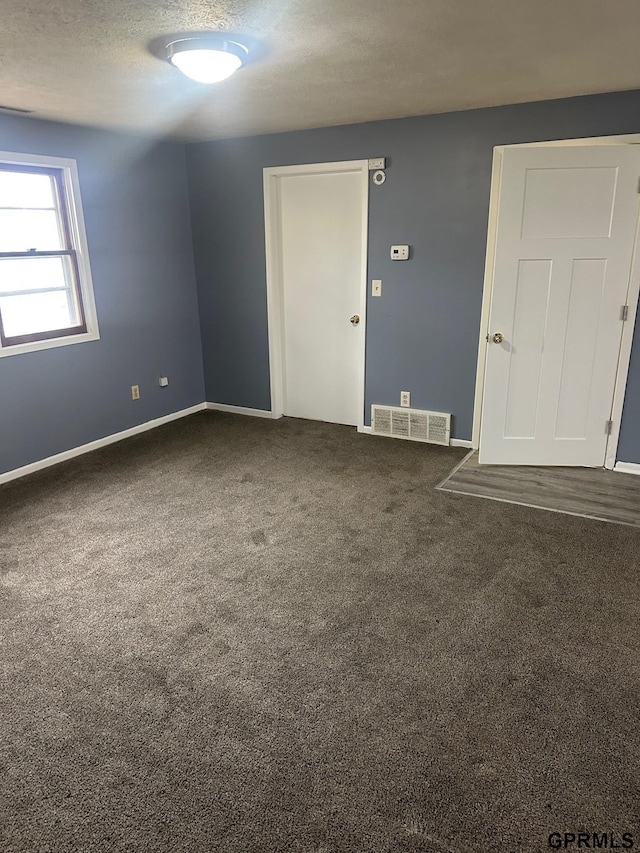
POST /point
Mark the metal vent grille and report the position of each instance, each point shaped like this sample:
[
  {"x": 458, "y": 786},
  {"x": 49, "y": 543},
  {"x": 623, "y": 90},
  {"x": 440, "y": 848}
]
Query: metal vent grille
[
  {"x": 439, "y": 428},
  {"x": 400, "y": 424},
  {"x": 381, "y": 420},
  {"x": 411, "y": 424}
]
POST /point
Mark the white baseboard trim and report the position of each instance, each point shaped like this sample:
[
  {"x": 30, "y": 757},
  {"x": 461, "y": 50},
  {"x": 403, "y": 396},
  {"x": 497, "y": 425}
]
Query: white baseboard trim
[
  {"x": 627, "y": 467},
  {"x": 239, "y": 410},
  {"x": 460, "y": 442},
  {"x": 95, "y": 445},
  {"x": 365, "y": 429}
]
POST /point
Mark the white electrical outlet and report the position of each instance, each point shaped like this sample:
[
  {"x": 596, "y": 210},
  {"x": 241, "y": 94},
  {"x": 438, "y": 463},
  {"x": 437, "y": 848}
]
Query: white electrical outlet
[
  {"x": 163, "y": 382},
  {"x": 405, "y": 399},
  {"x": 135, "y": 392},
  {"x": 376, "y": 287}
]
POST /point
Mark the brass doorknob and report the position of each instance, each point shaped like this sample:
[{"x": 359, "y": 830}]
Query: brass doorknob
[
  {"x": 498, "y": 338},
  {"x": 355, "y": 319}
]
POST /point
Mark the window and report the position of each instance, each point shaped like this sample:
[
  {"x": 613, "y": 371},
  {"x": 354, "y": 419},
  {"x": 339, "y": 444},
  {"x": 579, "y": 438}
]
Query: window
[{"x": 45, "y": 281}]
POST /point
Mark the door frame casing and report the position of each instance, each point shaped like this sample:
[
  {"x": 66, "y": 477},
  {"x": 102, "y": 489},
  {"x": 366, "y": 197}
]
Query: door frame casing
[
  {"x": 633, "y": 291},
  {"x": 275, "y": 283}
]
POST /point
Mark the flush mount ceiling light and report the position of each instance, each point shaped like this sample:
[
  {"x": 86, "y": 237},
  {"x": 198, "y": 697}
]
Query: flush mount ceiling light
[{"x": 207, "y": 59}]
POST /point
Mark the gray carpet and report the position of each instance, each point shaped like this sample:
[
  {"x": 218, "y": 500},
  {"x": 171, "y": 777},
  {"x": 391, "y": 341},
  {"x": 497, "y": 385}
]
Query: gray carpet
[{"x": 250, "y": 636}]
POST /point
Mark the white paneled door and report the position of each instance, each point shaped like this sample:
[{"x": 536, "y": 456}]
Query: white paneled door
[
  {"x": 567, "y": 221},
  {"x": 322, "y": 267}
]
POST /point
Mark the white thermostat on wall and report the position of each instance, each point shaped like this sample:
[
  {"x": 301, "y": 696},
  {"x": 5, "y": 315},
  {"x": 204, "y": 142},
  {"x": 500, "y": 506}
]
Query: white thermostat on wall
[{"x": 399, "y": 253}]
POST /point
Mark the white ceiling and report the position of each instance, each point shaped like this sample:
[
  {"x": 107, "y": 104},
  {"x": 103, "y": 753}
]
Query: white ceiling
[{"x": 318, "y": 63}]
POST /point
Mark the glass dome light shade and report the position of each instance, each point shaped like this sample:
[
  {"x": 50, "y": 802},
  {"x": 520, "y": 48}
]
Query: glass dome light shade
[{"x": 206, "y": 61}]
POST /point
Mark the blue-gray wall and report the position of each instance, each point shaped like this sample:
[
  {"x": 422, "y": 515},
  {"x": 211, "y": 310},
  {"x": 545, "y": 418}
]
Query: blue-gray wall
[
  {"x": 136, "y": 211},
  {"x": 422, "y": 335}
]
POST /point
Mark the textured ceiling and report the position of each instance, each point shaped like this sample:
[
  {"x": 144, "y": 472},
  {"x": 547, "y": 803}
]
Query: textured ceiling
[{"x": 317, "y": 63}]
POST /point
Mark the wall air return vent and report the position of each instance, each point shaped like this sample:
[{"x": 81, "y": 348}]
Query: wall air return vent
[{"x": 412, "y": 424}]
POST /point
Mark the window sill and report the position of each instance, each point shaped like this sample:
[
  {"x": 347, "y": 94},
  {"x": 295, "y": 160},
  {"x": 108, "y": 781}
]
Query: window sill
[{"x": 34, "y": 346}]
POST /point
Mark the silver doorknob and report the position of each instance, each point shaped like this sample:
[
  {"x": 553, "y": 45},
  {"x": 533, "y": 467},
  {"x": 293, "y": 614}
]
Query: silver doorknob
[
  {"x": 355, "y": 319},
  {"x": 498, "y": 338}
]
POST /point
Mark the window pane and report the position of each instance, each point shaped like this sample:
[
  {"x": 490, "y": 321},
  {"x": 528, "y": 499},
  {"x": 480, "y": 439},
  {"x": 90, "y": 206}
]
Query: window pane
[
  {"x": 38, "y": 312},
  {"x": 21, "y": 230},
  {"x": 17, "y": 274},
  {"x": 26, "y": 189},
  {"x": 53, "y": 305}
]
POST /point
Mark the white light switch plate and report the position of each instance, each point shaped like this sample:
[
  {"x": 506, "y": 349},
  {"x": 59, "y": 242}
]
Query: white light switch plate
[{"x": 376, "y": 287}]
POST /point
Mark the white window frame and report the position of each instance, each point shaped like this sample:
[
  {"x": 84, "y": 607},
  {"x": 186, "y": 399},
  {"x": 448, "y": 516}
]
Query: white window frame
[{"x": 71, "y": 183}]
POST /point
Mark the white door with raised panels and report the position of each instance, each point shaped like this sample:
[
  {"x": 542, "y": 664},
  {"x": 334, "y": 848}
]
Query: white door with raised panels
[{"x": 567, "y": 221}]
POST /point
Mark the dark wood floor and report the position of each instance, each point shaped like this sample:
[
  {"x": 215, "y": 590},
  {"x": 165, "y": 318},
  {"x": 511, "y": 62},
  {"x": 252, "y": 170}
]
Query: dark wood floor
[{"x": 591, "y": 492}]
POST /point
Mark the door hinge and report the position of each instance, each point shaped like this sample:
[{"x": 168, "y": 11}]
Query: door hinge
[
  {"x": 624, "y": 313},
  {"x": 608, "y": 428}
]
